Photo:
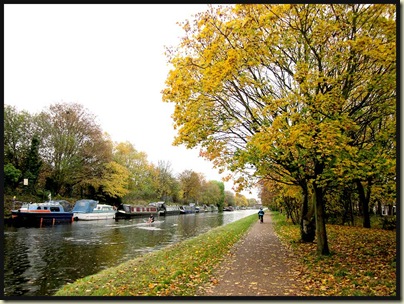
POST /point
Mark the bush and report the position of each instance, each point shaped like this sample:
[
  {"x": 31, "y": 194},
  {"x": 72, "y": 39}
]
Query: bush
[{"x": 388, "y": 222}]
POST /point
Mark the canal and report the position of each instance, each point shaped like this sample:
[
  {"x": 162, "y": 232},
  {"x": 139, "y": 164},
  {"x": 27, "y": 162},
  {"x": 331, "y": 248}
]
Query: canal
[{"x": 38, "y": 261}]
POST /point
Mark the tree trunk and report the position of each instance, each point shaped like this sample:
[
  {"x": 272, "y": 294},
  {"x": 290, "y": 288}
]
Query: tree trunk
[
  {"x": 307, "y": 223},
  {"x": 379, "y": 208},
  {"x": 364, "y": 202},
  {"x": 352, "y": 213},
  {"x": 346, "y": 204},
  {"x": 321, "y": 232}
]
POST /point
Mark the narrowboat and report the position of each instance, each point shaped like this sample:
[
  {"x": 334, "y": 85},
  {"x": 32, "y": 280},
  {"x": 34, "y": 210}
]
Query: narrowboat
[
  {"x": 169, "y": 210},
  {"x": 126, "y": 211}
]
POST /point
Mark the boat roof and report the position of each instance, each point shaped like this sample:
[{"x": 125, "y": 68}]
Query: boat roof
[
  {"x": 55, "y": 202},
  {"x": 60, "y": 203}
]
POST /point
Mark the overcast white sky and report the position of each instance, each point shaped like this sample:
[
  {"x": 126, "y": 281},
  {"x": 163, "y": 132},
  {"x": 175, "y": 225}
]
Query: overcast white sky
[{"x": 109, "y": 58}]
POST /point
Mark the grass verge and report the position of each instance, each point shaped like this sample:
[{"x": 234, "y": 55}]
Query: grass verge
[
  {"x": 362, "y": 262},
  {"x": 177, "y": 270}
]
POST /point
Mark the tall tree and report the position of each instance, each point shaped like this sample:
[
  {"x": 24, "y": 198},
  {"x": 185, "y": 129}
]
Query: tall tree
[
  {"x": 143, "y": 180},
  {"x": 273, "y": 91},
  {"x": 241, "y": 200},
  {"x": 114, "y": 181},
  {"x": 73, "y": 147},
  {"x": 33, "y": 164},
  {"x": 229, "y": 199},
  {"x": 211, "y": 193},
  {"x": 167, "y": 184},
  {"x": 191, "y": 185}
]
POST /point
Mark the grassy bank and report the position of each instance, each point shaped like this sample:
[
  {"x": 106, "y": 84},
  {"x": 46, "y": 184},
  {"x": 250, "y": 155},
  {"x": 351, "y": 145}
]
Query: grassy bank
[
  {"x": 177, "y": 270},
  {"x": 362, "y": 261}
]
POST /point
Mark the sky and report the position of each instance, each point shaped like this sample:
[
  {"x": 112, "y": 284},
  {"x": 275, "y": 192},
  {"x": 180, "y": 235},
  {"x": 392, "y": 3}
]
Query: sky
[{"x": 108, "y": 58}]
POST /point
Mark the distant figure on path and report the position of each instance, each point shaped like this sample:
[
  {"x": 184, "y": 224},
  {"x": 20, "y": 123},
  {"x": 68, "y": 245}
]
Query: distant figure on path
[{"x": 261, "y": 215}]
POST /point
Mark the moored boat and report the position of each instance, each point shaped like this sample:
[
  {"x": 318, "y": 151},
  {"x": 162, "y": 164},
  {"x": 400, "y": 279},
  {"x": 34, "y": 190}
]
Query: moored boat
[
  {"x": 213, "y": 208},
  {"x": 126, "y": 211},
  {"x": 169, "y": 209},
  {"x": 40, "y": 214},
  {"x": 210, "y": 208},
  {"x": 90, "y": 210},
  {"x": 185, "y": 209}
]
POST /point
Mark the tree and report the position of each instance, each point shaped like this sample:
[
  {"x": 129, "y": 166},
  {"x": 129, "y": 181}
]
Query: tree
[
  {"x": 19, "y": 128},
  {"x": 33, "y": 164},
  {"x": 143, "y": 181},
  {"x": 191, "y": 185},
  {"x": 280, "y": 91},
  {"x": 211, "y": 193},
  {"x": 12, "y": 176},
  {"x": 220, "y": 204},
  {"x": 229, "y": 199},
  {"x": 241, "y": 200},
  {"x": 115, "y": 180},
  {"x": 73, "y": 147},
  {"x": 268, "y": 192},
  {"x": 252, "y": 202},
  {"x": 167, "y": 184}
]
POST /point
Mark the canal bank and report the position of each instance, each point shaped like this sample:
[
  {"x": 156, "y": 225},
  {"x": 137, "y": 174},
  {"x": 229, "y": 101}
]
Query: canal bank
[
  {"x": 177, "y": 270},
  {"x": 39, "y": 261}
]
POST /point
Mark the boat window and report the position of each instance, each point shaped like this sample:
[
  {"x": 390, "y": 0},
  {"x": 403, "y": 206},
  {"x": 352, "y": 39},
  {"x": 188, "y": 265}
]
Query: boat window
[
  {"x": 83, "y": 206},
  {"x": 55, "y": 209},
  {"x": 39, "y": 208},
  {"x": 46, "y": 208}
]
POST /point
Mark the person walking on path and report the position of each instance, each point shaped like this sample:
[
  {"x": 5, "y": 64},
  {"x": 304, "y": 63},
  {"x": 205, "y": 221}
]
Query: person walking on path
[
  {"x": 258, "y": 265},
  {"x": 261, "y": 215}
]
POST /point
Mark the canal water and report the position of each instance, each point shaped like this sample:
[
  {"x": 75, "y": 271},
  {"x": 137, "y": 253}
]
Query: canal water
[{"x": 38, "y": 261}]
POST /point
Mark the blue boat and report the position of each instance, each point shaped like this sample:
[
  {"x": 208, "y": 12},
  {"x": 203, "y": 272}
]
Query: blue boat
[
  {"x": 41, "y": 214},
  {"x": 185, "y": 209}
]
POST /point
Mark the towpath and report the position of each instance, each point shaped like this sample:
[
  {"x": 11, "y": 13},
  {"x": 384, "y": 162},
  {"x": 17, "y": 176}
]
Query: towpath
[{"x": 258, "y": 265}]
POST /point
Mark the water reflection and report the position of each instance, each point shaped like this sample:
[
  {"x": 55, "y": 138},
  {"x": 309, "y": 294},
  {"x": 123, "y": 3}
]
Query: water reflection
[{"x": 38, "y": 261}]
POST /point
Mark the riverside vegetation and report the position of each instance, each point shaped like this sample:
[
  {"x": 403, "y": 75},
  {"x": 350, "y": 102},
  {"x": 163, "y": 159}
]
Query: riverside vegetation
[{"x": 362, "y": 263}]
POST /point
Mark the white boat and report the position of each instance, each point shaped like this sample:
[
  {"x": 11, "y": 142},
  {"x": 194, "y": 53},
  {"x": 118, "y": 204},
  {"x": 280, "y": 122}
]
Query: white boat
[{"x": 91, "y": 210}]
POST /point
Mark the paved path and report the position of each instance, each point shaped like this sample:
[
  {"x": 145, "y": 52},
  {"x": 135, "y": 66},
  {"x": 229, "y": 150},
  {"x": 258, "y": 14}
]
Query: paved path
[{"x": 258, "y": 265}]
